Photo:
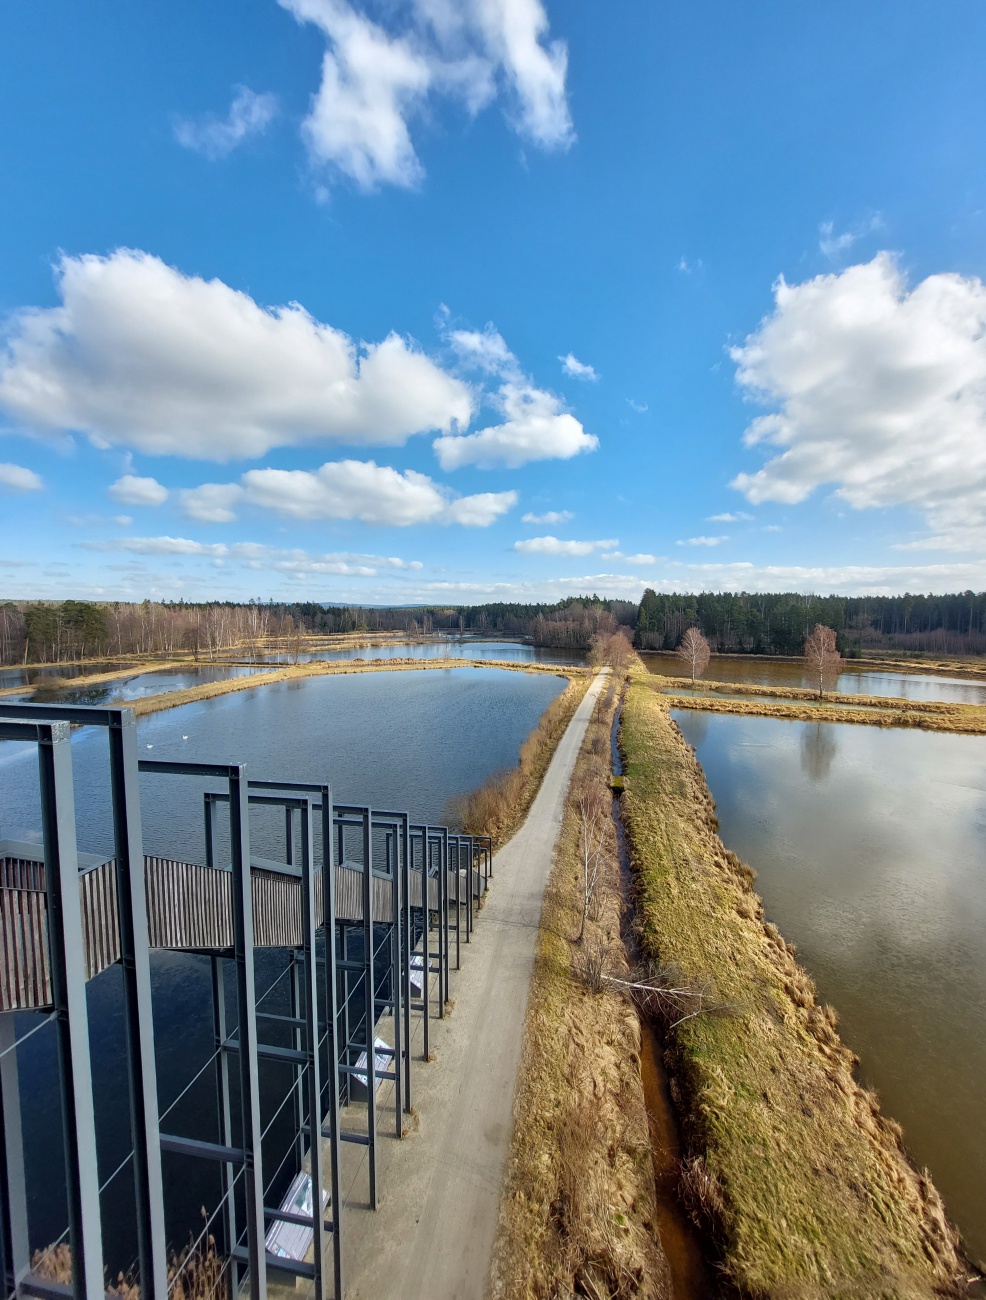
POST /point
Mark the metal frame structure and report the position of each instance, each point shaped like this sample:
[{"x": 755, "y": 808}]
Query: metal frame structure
[{"x": 411, "y": 877}]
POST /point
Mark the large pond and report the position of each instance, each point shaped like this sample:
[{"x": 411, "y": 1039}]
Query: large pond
[
  {"x": 514, "y": 651},
  {"x": 397, "y": 740},
  {"x": 854, "y": 678},
  {"x": 870, "y": 852}
]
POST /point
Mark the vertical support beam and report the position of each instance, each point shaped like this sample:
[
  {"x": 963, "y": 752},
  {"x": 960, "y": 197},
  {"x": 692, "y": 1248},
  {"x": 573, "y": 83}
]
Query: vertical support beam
[
  {"x": 394, "y": 948},
  {"x": 312, "y": 1072},
  {"x": 68, "y": 985},
  {"x": 443, "y": 930},
  {"x": 369, "y": 1003},
  {"x": 425, "y": 945},
  {"x": 295, "y": 981},
  {"x": 221, "y": 1034},
  {"x": 332, "y": 1032},
  {"x": 246, "y": 1011},
  {"x": 15, "y": 1253},
  {"x": 470, "y": 885},
  {"x": 135, "y": 961},
  {"x": 210, "y": 834},
  {"x": 404, "y": 959}
]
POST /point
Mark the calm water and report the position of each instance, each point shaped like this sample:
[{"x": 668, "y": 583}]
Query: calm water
[
  {"x": 515, "y": 651},
  {"x": 395, "y": 740},
  {"x": 870, "y": 852},
  {"x": 852, "y": 680}
]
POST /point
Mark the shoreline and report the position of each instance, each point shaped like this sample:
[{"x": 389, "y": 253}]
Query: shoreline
[{"x": 762, "y": 1079}]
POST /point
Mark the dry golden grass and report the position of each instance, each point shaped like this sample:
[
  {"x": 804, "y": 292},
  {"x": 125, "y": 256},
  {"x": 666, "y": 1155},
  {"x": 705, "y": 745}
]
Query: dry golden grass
[
  {"x": 499, "y": 806},
  {"x": 577, "y": 1212},
  {"x": 197, "y": 1273},
  {"x": 805, "y": 1185},
  {"x": 794, "y": 703}
]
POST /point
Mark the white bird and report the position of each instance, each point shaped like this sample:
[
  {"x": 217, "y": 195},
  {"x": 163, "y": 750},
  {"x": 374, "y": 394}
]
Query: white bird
[
  {"x": 150, "y": 746},
  {"x": 184, "y": 737}
]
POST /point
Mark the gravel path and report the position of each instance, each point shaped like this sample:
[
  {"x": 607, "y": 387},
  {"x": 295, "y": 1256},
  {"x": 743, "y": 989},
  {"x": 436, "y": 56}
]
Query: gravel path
[{"x": 432, "y": 1235}]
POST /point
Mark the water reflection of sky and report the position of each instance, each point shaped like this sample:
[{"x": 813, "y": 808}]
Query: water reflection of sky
[
  {"x": 852, "y": 680},
  {"x": 400, "y": 740},
  {"x": 870, "y": 851}
]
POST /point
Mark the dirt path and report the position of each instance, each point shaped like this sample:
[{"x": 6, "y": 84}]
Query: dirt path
[{"x": 432, "y": 1235}]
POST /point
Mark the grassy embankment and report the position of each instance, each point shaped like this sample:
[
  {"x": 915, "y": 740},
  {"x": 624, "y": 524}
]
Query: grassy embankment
[
  {"x": 499, "y": 806},
  {"x": 805, "y": 1186},
  {"x": 796, "y": 703},
  {"x": 577, "y": 1212}
]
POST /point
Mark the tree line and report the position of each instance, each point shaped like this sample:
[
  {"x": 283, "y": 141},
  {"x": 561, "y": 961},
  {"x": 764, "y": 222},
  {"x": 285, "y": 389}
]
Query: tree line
[
  {"x": 777, "y": 623},
  {"x": 746, "y": 623}
]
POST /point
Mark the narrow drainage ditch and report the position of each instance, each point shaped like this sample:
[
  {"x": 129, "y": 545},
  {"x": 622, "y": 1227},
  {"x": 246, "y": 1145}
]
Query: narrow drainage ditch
[{"x": 692, "y": 1277}]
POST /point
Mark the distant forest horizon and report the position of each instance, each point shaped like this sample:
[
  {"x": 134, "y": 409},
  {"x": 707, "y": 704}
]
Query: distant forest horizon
[{"x": 737, "y": 623}]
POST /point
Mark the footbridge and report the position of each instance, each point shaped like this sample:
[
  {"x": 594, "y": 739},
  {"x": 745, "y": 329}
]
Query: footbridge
[{"x": 327, "y": 960}]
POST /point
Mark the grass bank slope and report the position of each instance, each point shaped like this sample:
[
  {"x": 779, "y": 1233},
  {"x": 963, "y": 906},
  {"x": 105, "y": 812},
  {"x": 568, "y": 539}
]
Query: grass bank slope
[
  {"x": 577, "y": 1213},
  {"x": 806, "y": 1187}
]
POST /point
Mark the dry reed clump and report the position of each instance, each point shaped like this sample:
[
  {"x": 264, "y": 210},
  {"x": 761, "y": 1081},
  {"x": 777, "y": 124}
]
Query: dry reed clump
[
  {"x": 499, "y": 806},
  {"x": 808, "y": 1189},
  {"x": 577, "y": 1209},
  {"x": 196, "y": 1273}
]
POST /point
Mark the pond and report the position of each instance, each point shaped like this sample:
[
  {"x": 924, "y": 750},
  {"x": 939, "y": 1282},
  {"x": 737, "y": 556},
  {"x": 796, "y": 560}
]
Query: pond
[
  {"x": 870, "y": 852},
  {"x": 514, "y": 651},
  {"x": 853, "y": 679},
  {"x": 400, "y": 740}
]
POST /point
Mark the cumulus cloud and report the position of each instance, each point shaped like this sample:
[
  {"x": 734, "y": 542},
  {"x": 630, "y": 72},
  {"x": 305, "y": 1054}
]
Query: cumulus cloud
[
  {"x": 254, "y": 555},
  {"x": 133, "y": 490},
  {"x": 212, "y": 503},
  {"x": 639, "y": 407},
  {"x": 215, "y": 137},
  {"x": 549, "y": 517},
  {"x": 880, "y": 392},
  {"x": 640, "y": 558},
  {"x": 571, "y": 365},
  {"x": 375, "y": 81},
  {"x": 730, "y": 517},
  {"x": 535, "y": 427},
  {"x": 557, "y": 546},
  {"x": 140, "y": 355},
  {"x": 376, "y": 494},
  {"x": 484, "y": 350},
  {"x": 702, "y": 541},
  {"x": 16, "y": 478}
]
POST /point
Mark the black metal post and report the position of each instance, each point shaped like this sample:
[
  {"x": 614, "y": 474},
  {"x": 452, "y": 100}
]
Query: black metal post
[
  {"x": 221, "y": 1034},
  {"x": 15, "y": 1254},
  {"x": 135, "y": 961},
  {"x": 311, "y": 1048}
]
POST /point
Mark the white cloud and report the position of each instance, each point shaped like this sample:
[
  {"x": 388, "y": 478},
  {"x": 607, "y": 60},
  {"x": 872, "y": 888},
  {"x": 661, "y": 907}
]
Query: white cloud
[
  {"x": 702, "y": 541},
  {"x": 375, "y": 81},
  {"x": 730, "y": 517},
  {"x": 140, "y": 355},
  {"x": 378, "y": 494},
  {"x": 639, "y": 407},
  {"x": 485, "y": 350},
  {"x": 133, "y": 490},
  {"x": 124, "y": 521},
  {"x": 641, "y": 558},
  {"x": 212, "y": 503},
  {"x": 557, "y": 546},
  {"x": 881, "y": 393},
  {"x": 577, "y": 369},
  {"x": 16, "y": 478},
  {"x": 253, "y": 555},
  {"x": 549, "y": 517},
  {"x": 686, "y": 267},
  {"x": 215, "y": 137},
  {"x": 834, "y": 245},
  {"x": 534, "y": 428}
]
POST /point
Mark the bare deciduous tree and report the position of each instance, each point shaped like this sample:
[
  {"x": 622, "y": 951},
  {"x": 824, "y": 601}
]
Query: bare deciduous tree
[
  {"x": 694, "y": 651},
  {"x": 821, "y": 656}
]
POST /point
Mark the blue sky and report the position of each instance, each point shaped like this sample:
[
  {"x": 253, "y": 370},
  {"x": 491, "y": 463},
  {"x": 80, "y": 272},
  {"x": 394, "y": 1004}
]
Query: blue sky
[{"x": 451, "y": 300}]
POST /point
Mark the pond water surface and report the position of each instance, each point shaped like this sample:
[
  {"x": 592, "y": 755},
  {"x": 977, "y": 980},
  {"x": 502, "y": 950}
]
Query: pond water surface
[
  {"x": 404, "y": 741},
  {"x": 854, "y": 678},
  {"x": 870, "y": 852}
]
